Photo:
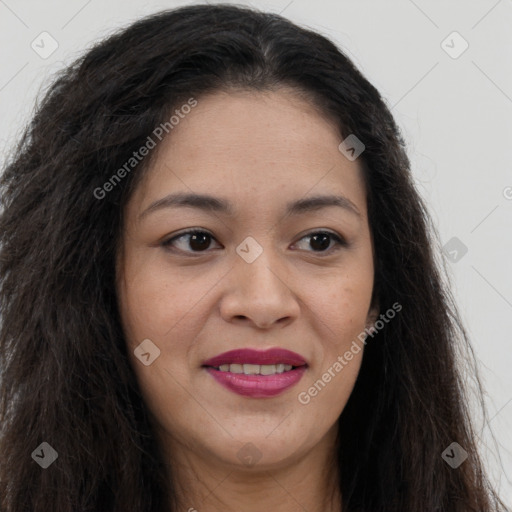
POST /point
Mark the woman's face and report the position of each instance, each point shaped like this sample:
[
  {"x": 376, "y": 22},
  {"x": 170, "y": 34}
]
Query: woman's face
[{"x": 261, "y": 275}]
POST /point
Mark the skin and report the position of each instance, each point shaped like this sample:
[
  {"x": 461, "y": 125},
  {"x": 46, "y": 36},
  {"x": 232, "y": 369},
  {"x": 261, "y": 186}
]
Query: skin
[{"x": 259, "y": 151}]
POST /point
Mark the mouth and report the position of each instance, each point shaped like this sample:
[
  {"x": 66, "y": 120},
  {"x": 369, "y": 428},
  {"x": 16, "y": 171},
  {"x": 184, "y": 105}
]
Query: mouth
[
  {"x": 255, "y": 369},
  {"x": 257, "y": 374}
]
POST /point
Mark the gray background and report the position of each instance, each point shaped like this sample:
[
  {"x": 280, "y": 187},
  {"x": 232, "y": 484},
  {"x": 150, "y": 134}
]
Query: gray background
[{"x": 455, "y": 114}]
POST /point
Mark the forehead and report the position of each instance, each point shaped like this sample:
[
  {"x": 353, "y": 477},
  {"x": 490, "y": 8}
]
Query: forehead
[{"x": 254, "y": 147}]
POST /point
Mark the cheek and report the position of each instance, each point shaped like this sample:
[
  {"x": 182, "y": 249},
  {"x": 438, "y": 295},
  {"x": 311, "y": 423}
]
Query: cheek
[
  {"x": 344, "y": 309},
  {"x": 341, "y": 319},
  {"x": 154, "y": 299},
  {"x": 154, "y": 307}
]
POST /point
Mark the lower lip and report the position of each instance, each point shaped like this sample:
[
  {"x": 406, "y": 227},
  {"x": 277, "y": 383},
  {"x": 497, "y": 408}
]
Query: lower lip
[{"x": 258, "y": 386}]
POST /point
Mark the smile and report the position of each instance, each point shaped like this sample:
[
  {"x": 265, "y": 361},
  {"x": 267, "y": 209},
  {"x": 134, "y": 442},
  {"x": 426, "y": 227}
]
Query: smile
[
  {"x": 255, "y": 369},
  {"x": 257, "y": 374}
]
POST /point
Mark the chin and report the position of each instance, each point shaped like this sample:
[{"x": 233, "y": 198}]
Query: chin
[{"x": 260, "y": 451}]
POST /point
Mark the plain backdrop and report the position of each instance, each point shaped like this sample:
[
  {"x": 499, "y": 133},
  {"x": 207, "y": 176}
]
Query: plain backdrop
[{"x": 450, "y": 93}]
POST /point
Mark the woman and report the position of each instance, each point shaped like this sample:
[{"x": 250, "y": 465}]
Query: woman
[{"x": 303, "y": 356}]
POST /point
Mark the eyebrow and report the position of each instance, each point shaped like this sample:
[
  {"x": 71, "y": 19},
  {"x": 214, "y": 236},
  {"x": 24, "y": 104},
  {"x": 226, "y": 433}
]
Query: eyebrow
[{"x": 218, "y": 205}]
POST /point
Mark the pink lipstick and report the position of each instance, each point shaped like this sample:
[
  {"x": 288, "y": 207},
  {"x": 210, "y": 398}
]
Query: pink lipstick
[{"x": 255, "y": 373}]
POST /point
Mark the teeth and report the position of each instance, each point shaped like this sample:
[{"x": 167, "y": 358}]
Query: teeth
[
  {"x": 251, "y": 369},
  {"x": 236, "y": 368},
  {"x": 268, "y": 369},
  {"x": 255, "y": 369}
]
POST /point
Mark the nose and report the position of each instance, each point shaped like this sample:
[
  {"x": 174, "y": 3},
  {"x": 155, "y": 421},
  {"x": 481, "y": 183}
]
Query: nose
[{"x": 260, "y": 293}]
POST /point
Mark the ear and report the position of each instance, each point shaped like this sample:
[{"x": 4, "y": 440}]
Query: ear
[{"x": 373, "y": 314}]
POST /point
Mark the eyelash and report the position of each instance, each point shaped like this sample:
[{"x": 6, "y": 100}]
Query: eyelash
[{"x": 166, "y": 244}]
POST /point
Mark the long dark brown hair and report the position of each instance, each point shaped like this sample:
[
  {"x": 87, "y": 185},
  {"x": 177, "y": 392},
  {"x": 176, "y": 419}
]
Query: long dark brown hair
[{"x": 65, "y": 374}]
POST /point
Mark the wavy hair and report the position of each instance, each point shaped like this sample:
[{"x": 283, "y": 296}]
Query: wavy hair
[{"x": 65, "y": 374}]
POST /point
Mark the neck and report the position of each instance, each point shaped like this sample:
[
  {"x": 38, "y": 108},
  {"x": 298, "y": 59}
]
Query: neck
[{"x": 308, "y": 481}]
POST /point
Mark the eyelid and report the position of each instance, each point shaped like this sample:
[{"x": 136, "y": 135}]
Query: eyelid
[
  {"x": 166, "y": 243},
  {"x": 339, "y": 239}
]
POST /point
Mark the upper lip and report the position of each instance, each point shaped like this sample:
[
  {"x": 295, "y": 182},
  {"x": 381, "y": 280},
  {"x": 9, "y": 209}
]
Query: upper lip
[{"x": 251, "y": 356}]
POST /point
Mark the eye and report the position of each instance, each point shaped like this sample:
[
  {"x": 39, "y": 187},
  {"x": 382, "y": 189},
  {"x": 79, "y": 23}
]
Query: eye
[
  {"x": 198, "y": 241},
  {"x": 321, "y": 240}
]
